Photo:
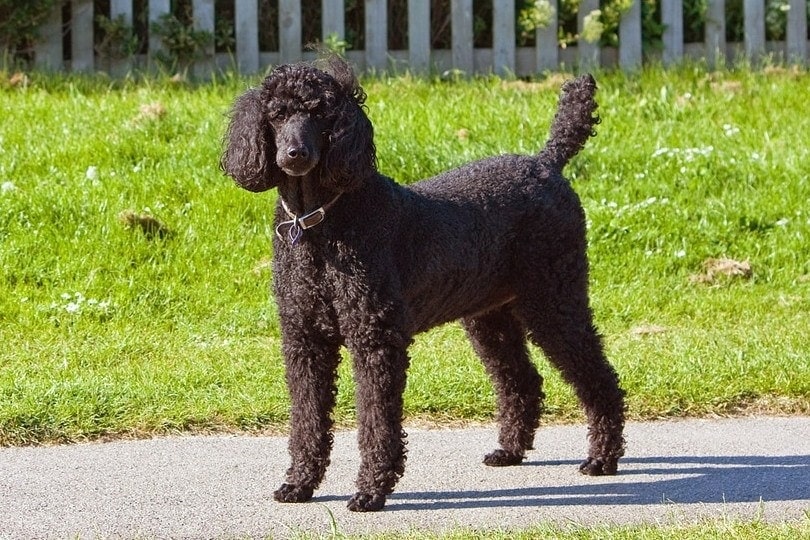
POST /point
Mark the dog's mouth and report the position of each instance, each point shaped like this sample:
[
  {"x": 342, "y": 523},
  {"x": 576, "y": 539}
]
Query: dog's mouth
[
  {"x": 298, "y": 162},
  {"x": 297, "y": 169}
]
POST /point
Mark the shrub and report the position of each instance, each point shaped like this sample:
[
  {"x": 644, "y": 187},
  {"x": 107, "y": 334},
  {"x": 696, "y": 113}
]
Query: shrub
[{"x": 19, "y": 26}]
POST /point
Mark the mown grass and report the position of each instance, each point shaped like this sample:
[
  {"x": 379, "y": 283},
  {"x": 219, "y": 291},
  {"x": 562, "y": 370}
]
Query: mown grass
[
  {"x": 108, "y": 329},
  {"x": 708, "y": 529}
]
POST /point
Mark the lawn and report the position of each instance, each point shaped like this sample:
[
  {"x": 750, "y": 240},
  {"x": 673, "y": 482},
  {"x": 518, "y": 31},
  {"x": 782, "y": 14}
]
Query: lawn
[
  {"x": 705, "y": 530},
  {"x": 134, "y": 277}
]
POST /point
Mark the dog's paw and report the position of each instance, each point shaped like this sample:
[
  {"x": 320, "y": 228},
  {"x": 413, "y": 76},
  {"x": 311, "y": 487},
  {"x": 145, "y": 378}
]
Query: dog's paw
[
  {"x": 290, "y": 493},
  {"x": 366, "y": 502},
  {"x": 502, "y": 458},
  {"x": 598, "y": 467}
]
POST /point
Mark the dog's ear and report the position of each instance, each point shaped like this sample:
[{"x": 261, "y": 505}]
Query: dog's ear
[
  {"x": 350, "y": 156},
  {"x": 250, "y": 153}
]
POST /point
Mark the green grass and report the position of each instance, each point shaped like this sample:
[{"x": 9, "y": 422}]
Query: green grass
[
  {"x": 709, "y": 529},
  {"x": 106, "y": 331}
]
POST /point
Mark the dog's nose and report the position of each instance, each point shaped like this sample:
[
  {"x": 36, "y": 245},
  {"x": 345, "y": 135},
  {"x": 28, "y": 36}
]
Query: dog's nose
[{"x": 298, "y": 152}]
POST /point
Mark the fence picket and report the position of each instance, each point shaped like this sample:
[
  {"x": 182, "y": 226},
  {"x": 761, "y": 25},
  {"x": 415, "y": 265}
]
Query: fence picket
[
  {"x": 715, "y": 35},
  {"x": 503, "y": 58},
  {"x": 754, "y": 28},
  {"x": 81, "y": 35},
  {"x": 797, "y": 31},
  {"x": 121, "y": 8},
  {"x": 246, "y": 15},
  {"x": 547, "y": 48},
  {"x": 48, "y": 51},
  {"x": 672, "y": 19},
  {"x": 630, "y": 52},
  {"x": 503, "y": 37},
  {"x": 289, "y": 31},
  {"x": 589, "y": 53},
  {"x": 418, "y": 36},
  {"x": 157, "y": 8},
  {"x": 376, "y": 34},
  {"x": 203, "y": 11},
  {"x": 333, "y": 19},
  {"x": 461, "y": 23}
]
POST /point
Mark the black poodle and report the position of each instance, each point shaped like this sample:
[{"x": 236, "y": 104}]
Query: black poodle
[{"x": 365, "y": 263}]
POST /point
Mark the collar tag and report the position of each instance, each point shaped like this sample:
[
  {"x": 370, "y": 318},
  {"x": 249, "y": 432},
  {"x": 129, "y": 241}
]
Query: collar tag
[
  {"x": 297, "y": 225},
  {"x": 313, "y": 218}
]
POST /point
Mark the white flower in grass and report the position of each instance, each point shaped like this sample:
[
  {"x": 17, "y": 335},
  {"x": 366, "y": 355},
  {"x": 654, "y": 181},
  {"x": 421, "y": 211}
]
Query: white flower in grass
[
  {"x": 680, "y": 254},
  {"x": 7, "y": 187},
  {"x": 730, "y": 130},
  {"x": 77, "y": 304},
  {"x": 91, "y": 173}
]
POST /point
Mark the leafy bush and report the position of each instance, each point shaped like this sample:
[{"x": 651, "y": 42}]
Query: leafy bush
[
  {"x": 183, "y": 43},
  {"x": 19, "y": 25}
]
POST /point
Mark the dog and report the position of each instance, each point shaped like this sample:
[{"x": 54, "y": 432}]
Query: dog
[{"x": 364, "y": 263}]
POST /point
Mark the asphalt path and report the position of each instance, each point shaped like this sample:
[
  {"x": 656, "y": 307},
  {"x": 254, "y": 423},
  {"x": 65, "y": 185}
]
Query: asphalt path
[{"x": 221, "y": 486}]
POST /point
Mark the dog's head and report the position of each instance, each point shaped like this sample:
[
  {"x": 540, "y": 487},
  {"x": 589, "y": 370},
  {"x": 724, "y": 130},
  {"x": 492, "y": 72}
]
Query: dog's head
[{"x": 301, "y": 120}]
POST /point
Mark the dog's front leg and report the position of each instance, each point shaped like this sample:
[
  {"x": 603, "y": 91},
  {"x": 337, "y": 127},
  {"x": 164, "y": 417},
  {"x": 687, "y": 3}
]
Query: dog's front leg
[
  {"x": 380, "y": 374},
  {"x": 311, "y": 379}
]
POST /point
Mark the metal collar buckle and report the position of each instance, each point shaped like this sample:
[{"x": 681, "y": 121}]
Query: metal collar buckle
[{"x": 297, "y": 225}]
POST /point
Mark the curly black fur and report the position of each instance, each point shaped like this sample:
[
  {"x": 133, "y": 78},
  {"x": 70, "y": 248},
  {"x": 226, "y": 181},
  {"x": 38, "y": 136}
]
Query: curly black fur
[{"x": 499, "y": 244}]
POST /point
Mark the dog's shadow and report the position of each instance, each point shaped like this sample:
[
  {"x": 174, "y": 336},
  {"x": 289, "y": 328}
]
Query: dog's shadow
[{"x": 683, "y": 479}]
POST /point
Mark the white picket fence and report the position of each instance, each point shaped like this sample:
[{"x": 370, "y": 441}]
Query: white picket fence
[{"x": 503, "y": 58}]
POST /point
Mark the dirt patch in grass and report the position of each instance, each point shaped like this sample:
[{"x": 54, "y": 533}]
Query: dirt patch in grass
[{"x": 715, "y": 270}]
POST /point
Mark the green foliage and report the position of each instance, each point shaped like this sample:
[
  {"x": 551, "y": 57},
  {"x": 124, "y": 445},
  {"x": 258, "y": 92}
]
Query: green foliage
[
  {"x": 533, "y": 15},
  {"x": 336, "y": 45},
  {"x": 118, "y": 39},
  {"x": 182, "y": 42},
  {"x": 20, "y": 22},
  {"x": 134, "y": 277}
]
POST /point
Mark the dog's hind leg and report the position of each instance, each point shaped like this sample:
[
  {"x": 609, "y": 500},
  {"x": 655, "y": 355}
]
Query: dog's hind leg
[
  {"x": 499, "y": 339},
  {"x": 560, "y": 322},
  {"x": 311, "y": 364}
]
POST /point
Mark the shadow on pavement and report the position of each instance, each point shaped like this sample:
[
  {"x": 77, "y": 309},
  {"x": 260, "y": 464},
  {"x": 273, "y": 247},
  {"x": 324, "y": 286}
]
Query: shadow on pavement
[{"x": 682, "y": 479}]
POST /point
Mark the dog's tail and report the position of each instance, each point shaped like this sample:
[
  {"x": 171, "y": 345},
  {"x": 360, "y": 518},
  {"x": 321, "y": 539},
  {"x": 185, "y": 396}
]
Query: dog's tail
[{"x": 573, "y": 123}]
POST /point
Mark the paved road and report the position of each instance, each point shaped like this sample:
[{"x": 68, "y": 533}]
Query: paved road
[{"x": 212, "y": 487}]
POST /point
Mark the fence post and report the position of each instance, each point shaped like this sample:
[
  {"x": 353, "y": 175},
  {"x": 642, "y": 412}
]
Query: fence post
[
  {"x": 419, "y": 36},
  {"x": 503, "y": 38},
  {"x": 246, "y": 28},
  {"x": 715, "y": 38},
  {"x": 48, "y": 50},
  {"x": 546, "y": 45},
  {"x": 333, "y": 19},
  {"x": 754, "y": 27},
  {"x": 204, "y": 20},
  {"x": 289, "y": 30},
  {"x": 797, "y": 32},
  {"x": 672, "y": 19},
  {"x": 157, "y": 8},
  {"x": 461, "y": 23},
  {"x": 81, "y": 36},
  {"x": 121, "y": 8},
  {"x": 589, "y": 53},
  {"x": 376, "y": 34},
  {"x": 630, "y": 51}
]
